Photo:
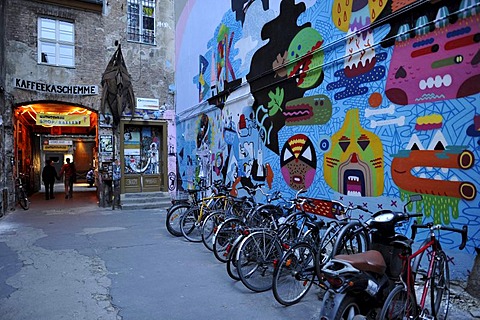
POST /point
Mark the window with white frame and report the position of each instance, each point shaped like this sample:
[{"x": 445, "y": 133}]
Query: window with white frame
[
  {"x": 56, "y": 42},
  {"x": 141, "y": 21}
]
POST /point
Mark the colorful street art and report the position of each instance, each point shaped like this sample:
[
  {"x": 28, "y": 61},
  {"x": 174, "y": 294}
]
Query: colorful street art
[{"x": 359, "y": 102}]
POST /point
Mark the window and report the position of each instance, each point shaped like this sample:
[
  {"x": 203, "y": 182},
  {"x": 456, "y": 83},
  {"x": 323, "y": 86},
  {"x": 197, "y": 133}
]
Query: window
[
  {"x": 56, "y": 42},
  {"x": 141, "y": 21}
]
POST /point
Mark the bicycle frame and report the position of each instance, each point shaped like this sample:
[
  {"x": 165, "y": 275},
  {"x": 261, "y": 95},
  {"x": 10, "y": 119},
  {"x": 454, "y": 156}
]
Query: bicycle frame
[{"x": 432, "y": 243}]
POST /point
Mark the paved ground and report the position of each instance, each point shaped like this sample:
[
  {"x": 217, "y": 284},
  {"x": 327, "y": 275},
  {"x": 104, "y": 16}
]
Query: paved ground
[{"x": 69, "y": 259}]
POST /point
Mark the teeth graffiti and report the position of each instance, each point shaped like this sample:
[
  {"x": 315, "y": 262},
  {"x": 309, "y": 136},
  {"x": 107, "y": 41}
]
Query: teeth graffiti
[
  {"x": 353, "y": 178},
  {"x": 354, "y": 193}
]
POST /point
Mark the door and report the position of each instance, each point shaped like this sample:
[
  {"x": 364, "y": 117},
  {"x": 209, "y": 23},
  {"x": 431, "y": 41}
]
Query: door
[{"x": 143, "y": 152}]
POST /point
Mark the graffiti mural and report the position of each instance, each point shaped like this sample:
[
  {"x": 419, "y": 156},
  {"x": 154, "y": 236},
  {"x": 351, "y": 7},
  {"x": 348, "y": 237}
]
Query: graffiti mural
[
  {"x": 359, "y": 102},
  {"x": 354, "y": 165}
]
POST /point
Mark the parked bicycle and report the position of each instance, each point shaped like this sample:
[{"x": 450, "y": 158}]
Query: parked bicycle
[
  {"x": 425, "y": 271},
  {"x": 21, "y": 192}
]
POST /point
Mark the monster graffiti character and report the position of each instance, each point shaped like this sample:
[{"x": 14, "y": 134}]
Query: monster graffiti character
[{"x": 298, "y": 162}]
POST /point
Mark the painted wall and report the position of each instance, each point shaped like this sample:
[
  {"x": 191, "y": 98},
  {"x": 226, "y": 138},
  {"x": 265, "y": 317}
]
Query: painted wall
[{"x": 364, "y": 102}]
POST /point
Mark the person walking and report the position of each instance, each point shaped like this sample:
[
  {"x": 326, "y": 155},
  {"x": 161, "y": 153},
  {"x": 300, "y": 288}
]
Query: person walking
[
  {"x": 68, "y": 169},
  {"x": 49, "y": 174}
]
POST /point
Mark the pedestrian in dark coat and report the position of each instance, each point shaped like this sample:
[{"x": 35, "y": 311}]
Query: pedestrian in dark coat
[{"x": 49, "y": 174}]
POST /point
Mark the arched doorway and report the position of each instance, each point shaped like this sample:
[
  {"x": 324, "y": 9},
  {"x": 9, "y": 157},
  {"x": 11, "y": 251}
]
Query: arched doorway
[{"x": 53, "y": 130}]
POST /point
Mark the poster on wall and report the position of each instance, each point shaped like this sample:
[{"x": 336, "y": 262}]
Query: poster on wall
[{"x": 106, "y": 148}]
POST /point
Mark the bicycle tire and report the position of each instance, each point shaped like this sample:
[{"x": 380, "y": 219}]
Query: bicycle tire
[
  {"x": 399, "y": 304},
  {"x": 210, "y": 227},
  {"x": 440, "y": 287},
  {"x": 232, "y": 269},
  {"x": 226, "y": 234},
  {"x": 23, "y": 199},
  {"x": 325, "y": 250},
  {"x": 352, "y": 238},
  {"x": 174, "y": 215},
  {"x": 293, "y": 277},
  {"x": 256, "y": 259},
  {"x": 190, "y": 226}
]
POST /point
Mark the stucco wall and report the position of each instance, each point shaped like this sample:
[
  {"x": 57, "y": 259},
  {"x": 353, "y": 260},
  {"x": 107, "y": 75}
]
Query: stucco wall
[{"x": 309, "y": 101}]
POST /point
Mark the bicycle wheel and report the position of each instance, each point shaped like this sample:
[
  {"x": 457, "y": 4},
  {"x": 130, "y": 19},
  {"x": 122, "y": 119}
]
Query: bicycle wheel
[
  {"x": 294, "y": 274},
  {"x": 226, "y": 234},
  {"x": 325, "y": 250},
  {"x": 173, "y": 218},
  {"x": 210, "y": 226},
  {"x": 353, "y": 238},
  {"x": 232, "y": 269},
  {"x": 23, "y": 199},
  {"x": 399, "y": 305},
  {"x": 257, "y": 256},
  {"x": 190, "y": 225},
  {"x": 440, "y": 287}
]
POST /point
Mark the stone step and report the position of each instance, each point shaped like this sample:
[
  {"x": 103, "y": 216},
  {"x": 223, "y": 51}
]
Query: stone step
[{"x": 145, "y": 200}]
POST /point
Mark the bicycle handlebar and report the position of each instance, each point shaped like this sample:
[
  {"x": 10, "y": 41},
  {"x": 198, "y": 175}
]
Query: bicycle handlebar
[{"x": 432, "y": 227}]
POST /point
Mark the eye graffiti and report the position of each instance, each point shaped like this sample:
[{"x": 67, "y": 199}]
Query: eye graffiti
[
  {"x": 354, "y": 163},
  {"x": 298, "y": 162}
]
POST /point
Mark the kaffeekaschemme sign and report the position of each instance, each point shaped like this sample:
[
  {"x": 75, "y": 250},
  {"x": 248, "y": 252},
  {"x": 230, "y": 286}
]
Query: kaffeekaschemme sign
[{"x": 82, "y": 90}]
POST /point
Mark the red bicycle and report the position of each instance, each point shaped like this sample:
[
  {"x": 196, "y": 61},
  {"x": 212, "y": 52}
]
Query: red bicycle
[{"x": 423, "y": 291}]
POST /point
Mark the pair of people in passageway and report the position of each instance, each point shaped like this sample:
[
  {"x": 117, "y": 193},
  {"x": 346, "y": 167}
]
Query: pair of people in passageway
[{"x": 49, "y": 175}]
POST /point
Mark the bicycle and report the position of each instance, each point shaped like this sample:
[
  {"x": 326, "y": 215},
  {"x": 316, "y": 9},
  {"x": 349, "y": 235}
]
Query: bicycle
[
  {"x": 192, "y": 220},
  {"x": 185, "y": 201},
  {"x": 260, "y": 251},
  {"x": 21, "y": 192},
  {"x": 433, "y": 282},
  {"x": 296, "y": 271},
  {"x": 236, "y": 207}
]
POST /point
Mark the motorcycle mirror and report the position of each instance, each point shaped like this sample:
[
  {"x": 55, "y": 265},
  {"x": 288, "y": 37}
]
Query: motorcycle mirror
[
  {"x": 412, "y": 198},
  {"x": 416, "y": 197}
]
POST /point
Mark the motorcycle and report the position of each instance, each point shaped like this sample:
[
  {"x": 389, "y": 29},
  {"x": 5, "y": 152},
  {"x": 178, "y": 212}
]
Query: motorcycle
[{"x": 358, "y": 284}]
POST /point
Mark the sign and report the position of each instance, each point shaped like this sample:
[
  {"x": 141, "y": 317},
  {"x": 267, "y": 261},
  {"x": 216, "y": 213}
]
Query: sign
[
  {"x": 150, "y": 104},
  {"x": 60, "y": 142},
  {"x": 49, "y": 147},
  {"x": 63, "y": 120},
  {"x": 80, "y": 90}
]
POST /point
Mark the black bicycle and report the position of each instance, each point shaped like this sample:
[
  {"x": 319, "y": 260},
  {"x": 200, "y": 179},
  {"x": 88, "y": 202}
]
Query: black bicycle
[{"x": 21, "y": 192}]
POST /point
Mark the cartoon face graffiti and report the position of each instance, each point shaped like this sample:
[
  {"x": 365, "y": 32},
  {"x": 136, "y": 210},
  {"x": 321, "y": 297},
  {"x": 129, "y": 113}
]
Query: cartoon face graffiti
[
  {"x": 305, "y": 58},
  {"x": 354, "y": 164},
  {"x": 298, "y": 162},
  {"x": 441, "y": 65}
]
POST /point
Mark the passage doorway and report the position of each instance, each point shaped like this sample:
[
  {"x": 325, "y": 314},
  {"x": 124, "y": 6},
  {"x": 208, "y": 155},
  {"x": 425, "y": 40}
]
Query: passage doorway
[{"x": 143, "y": 150}]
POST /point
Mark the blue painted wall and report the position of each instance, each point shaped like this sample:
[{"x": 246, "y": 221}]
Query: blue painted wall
[{"x": 364, "y": 102}]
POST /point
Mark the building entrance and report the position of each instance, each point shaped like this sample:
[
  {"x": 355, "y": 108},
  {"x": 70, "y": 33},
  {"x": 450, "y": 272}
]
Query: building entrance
[
  {"x": 53, "y": 130},
  {"x": 143, "y": 151}
]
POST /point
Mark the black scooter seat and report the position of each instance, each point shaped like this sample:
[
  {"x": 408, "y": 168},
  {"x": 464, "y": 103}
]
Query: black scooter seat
[{"x": 371, "y": 261}]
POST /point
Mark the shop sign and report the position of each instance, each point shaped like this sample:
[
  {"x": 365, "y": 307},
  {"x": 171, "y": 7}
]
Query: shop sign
[
  {"x": 60, "y": 142},
  {"x": 63, "y": 120},
  {"x": 49, "y": 147},
  {"x": 80, "y": 90},
  {"x": 149, "y": 104}
]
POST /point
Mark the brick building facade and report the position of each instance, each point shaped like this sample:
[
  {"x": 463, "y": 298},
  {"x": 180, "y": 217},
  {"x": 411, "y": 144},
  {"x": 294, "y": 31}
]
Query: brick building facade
[{"x": 49, "y": 44}]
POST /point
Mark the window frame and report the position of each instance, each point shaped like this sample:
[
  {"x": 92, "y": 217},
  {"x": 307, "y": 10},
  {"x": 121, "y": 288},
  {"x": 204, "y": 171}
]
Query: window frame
[
  {"x": 58, "y": 41},
  {"x": 136, "y": 32}
]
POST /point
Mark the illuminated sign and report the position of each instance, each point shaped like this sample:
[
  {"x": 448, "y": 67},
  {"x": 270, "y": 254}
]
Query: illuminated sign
[
  {"x": 48, "y": 147},
  {"x": 63, "y": 120}
]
